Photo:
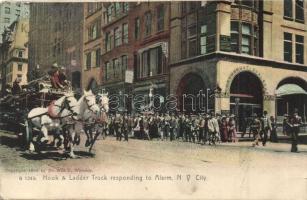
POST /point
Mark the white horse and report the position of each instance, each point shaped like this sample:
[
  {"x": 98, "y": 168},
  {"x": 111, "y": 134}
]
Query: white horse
[
  {"x": 86, "y": 107},
  {"x": 48, "y": 119},
  {"x": 97, "y": 124}
]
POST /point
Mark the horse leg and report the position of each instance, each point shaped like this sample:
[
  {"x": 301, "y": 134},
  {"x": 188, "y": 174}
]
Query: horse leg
[
  {"x": 45, "y": 138},
  {"x": 71, "y": 138},
  {"x": 87, "y": 142}
]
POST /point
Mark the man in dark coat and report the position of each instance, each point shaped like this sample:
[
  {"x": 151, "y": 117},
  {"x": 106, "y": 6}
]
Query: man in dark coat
[{"x": 295, "y": 123}]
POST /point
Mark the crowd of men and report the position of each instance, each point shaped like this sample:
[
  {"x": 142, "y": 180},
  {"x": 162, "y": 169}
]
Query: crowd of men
[{"x": 203, "y": 128}]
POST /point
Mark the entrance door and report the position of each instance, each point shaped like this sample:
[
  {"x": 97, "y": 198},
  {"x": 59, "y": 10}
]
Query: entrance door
[
  {"x": 245, "y": 98},
  {"x": 188, "y": 93}
]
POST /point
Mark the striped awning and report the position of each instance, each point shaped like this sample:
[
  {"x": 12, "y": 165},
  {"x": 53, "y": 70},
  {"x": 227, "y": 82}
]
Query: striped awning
[{"x": 289, "y": 89}]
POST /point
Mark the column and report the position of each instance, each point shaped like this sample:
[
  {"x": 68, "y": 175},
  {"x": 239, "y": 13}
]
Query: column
[{"x": 269, "y": 104}]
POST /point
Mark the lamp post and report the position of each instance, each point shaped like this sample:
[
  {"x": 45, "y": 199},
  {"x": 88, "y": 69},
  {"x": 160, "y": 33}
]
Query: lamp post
[
  {"x": 207, "y": 102},
  {"x": 121, "y": 101},
  {"x": 150, "y": 97}
]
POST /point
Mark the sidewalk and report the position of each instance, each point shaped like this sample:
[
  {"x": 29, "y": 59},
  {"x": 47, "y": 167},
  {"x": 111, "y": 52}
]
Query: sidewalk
[{"x": 281, "y": 138}]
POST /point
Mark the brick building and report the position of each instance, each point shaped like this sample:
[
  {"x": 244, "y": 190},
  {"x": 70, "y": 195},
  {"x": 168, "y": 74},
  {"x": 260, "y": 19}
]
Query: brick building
[
  {"x": 249, "y": 55},
  {"x": 56, "y": 31},
  {"x": 135, "y": 41}
]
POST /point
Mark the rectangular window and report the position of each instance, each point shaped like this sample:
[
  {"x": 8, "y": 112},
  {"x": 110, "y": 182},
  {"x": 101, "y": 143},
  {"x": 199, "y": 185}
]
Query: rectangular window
[
  {"x": 147, "y": 24},
  {"x": 248, "y": 3},
  {"x": 125, "y": 33},
  {"x": 116, "y": 68},
  {"x": 19, "y": 66},
  {"x": 88, "y": 60},
  {"x": 7, "y": 20},
  {"x": 98, "y": 52},
  {"x": 7, "y": 10},
  {"x": 107, "y": 71},
  {"x": 108, "y": 41},
  {"x": 124, "y": 64},
  {"x": 288, "y": 47},
  {"x": 192, "y": 41},
  {"x": 17, "y": 12},
  {"x": 117, "y": 8},
  {"x": 125, "y": 7},
  {"x": 117, "y": 37},
  {"x": 246, "y": 39},
  {"x": 299, "y": 49},
  {"x": 288, "y": 9},
  {"x": 20, "y": 54},
  {"x": 136, "y": 28},
  {"x": 299, "y": 11},
  {"x": 109, "y": 13},
  {"x": 160, "y": 18},
  {"x": 203, "y": 39}
]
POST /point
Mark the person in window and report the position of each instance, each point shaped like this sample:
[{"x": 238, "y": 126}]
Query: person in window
[
  {"x": 55, "y": 81},
  {"x": 16, "y": 89}
]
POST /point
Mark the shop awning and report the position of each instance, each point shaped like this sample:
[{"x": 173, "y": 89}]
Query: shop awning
[{"x": 289, "y": 89}]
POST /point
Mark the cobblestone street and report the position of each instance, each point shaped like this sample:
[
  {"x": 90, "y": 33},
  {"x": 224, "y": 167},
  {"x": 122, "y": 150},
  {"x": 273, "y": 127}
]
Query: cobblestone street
[{"x": 177, "y": 169}]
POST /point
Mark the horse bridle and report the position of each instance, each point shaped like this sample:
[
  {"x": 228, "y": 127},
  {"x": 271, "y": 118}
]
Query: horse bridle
[
  {"x": 64, "y": 105},
  {"x": 89, "y": 106}
]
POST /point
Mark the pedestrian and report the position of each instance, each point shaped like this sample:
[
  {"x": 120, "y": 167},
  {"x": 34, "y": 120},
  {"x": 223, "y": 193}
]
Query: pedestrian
[
  {"x": 130, "y": 124},
  {"x": 224, "y": 129},
  {"x": 232, "y": 136},
  {"x": 273, "y": 137},
  {"x": 124, "y": 127},
  {"x": 215, "y": 121},
  {"x": 201, "y": 129},
  {"x": 266, "y": 127},
  {"x": 167, "y": 119},
  {"x": 285, "y": 125},
  {"x": 295, "y": 123},
  {"x": 146, "y": 128},
  {"x": 117, "y": 126},
  {"x": 255, "y": 127}
]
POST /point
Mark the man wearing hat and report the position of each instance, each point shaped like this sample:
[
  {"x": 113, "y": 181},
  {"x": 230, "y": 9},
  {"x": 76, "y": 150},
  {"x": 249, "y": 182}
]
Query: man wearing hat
[
  {"x": 62, "y": 76},
  {"x": 295, "y": 123},
  {"x": 266, "y": 127},
  {"x": 55, "y": 81}
]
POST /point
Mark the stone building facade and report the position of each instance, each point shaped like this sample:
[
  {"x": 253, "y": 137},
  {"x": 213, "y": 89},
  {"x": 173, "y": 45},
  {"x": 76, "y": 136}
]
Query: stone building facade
[
  {"x": 10, "y": 12},
  {"x": 56, "y": 31},
  {"x": 92, "y": 46},
  {"x": 247, "y": 58},
  {"x": 14, "y": 57}
]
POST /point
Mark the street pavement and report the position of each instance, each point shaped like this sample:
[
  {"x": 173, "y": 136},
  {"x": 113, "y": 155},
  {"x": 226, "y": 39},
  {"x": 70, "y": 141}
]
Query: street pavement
[{"x": 158, "y": 169}]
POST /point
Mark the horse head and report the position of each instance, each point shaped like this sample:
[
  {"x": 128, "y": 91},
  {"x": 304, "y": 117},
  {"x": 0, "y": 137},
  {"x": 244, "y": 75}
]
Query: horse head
[
  {"x": 103, "y": 100},
  {"x": 90, "y": 101}
]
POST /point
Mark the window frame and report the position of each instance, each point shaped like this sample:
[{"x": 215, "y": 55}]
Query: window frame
[
  {"x": 148, "y": 23},
  {"x": 299, "y": 56},
  {"x": 288, "y": 42},
  {"x": 117, "y": 37},
  {"x": 160, "y": 18},
  {"x": 137, "y": 26},
  {"x": 7, "y": 10},
  {"x": 125, "y": 33}
]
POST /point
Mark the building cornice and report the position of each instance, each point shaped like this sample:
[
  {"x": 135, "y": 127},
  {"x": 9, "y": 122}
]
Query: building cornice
[{"x": 219, "y": 55}]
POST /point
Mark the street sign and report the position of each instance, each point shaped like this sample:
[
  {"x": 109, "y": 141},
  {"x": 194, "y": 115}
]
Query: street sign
[{"x": 129, "y": 76}]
